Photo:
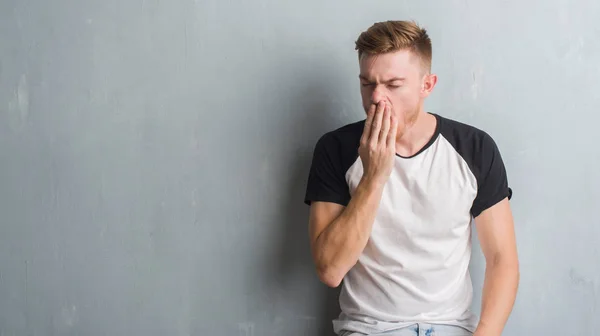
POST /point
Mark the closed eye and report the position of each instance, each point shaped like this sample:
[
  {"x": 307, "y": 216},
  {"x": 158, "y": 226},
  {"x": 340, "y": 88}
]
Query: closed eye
[{"x": 395, "y": 83}]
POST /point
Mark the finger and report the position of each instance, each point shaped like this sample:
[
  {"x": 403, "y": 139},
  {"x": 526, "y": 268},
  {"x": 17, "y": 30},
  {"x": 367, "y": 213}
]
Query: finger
[
  {"x": 376, "y": 127},
  {"x": 385, "y": 127},
  {"x": 368, "y": 123},
  {"x": 391, "y": 137}
]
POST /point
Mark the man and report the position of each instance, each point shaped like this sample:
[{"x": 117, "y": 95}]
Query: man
[{"x": 392, "y": 198}]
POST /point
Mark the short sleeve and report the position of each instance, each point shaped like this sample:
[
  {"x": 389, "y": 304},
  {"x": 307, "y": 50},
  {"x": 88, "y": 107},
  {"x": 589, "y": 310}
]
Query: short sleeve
[
  {"x": 326, "y": 178},
  {"x": 492, "y": 180}
]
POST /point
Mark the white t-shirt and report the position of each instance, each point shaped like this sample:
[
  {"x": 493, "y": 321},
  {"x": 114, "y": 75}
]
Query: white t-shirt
[{"x": 414, "y": 267}]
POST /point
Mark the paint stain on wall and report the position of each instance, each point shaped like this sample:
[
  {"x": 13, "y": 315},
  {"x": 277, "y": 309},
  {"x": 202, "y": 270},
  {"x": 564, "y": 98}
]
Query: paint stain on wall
[
  {"x": 246, "y": 328},
  {"x": 581, "y": 281},
  {"x": 69, "y": 316},
  {"x": 18, "y": 106},
  {"x": 195, "y": 198},
  {"x": 588, "y": 285},
  {"x": 23, "y": 97},
  {"x": 476, "y": 75}
]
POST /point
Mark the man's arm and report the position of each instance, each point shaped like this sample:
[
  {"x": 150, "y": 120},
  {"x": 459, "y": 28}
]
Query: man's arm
[
  {"x": 496, "y": 234},
  {"x": 339, "y": 234}
]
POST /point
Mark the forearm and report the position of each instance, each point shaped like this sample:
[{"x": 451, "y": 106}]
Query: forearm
[
  {"x": 499, "y": 292},
  {"x": 338, "y": 247}
]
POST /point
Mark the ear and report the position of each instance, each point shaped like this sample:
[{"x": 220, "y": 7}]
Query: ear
[{"x": 429, "y": 81}]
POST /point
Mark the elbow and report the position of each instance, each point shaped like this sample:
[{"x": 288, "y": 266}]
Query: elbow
[
  {"x": 508, "y": 266},
  {"x": 510, "y": 263},
  {"x": 329, "y": 277}
]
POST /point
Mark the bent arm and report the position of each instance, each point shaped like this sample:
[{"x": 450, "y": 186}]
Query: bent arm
[{"x": 339, "y": 234}]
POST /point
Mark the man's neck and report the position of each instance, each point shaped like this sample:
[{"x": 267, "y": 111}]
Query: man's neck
[{"x": 417, "y": 135}]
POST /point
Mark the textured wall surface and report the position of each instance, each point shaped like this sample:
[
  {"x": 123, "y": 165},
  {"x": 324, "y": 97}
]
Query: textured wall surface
[{"x": 154, "y": 156}]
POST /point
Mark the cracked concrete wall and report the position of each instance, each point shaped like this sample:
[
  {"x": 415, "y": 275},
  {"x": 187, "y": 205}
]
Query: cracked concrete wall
[{"x": 154, "y": 156}]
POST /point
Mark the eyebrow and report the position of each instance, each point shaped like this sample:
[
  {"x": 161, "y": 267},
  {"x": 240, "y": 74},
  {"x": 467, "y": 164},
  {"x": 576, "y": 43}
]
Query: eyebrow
[{"x": 394, "y": 79}]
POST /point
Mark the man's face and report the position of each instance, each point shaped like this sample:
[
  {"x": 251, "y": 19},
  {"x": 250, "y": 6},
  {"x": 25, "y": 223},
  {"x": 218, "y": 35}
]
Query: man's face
[{"x": 399, "y": 79}]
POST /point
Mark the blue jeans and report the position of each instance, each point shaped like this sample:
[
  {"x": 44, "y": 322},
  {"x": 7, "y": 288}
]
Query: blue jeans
[{"x": 422, "y": 329}]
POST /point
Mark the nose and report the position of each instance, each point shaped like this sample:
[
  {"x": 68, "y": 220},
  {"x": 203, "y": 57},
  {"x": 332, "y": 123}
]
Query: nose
[{"x": 377, "y": 95}]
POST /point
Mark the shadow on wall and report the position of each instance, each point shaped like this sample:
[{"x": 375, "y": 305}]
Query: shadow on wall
[{"x": 314, "y": 113}]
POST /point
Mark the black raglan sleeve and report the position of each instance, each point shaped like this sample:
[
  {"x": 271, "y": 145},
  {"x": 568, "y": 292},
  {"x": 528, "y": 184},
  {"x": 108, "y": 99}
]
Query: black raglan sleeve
[
  {"x": 326, "y": 178},
  {"x": 492, "y": 180}
]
